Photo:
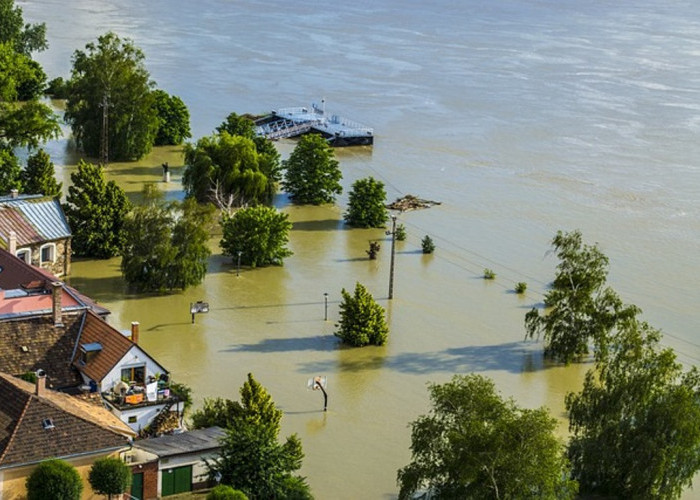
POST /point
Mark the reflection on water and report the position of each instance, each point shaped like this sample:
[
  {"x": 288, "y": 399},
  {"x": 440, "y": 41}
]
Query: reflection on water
[{"x": 521, "y": 118}]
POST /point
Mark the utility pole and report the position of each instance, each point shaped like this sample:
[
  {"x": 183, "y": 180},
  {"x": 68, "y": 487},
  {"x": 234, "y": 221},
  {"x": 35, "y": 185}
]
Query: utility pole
[
  {"x": 393, "y": 252},
  {"x": 104, "y": 139}
]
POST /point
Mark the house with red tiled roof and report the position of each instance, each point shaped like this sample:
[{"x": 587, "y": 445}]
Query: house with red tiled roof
[
  {"x": 45, "y": 325},
  {"x": 37, "y": 423},
  {"x": 34, "y": 228}
]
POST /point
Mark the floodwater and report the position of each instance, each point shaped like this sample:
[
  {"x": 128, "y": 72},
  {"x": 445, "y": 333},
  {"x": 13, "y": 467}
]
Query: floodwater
[{"x": 521, "y": 117}]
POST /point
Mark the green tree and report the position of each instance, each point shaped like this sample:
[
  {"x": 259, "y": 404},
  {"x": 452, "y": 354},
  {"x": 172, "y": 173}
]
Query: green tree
[
  {"x": 166, "y": 245},
  {"x": 259, "y": 233},
  {"x": 96, "y": 211},
  {"x": 581, "y": 308},
  {"x": 173, "y": 119},
  {"x": 251, "y": 458},
  {"x": 475, "y": 444},
  {"x": 366, "y": 204},
  {"x": 229, "y": 171},
  {"x": 268, "y": 156},
  {"x": 312, "y": 172},
  {"x": 112, "y": 73},
  {"x": 10, "y": 171},
  {"x": 361, "y": 319},
  {"x": 40, "y": 177},
  {"x": 256, "y": 406},
  {"x": 223, "y": 492},
  {"x": 636, "y": 423},
  {"x": 110, "y": 476},
  {"x": 54, "y": 479},
  {"x": 24, "y": 38},
  {"x": 22, "y": 123}
]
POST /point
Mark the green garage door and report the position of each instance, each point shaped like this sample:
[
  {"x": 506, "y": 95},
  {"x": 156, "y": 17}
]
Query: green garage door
[
  {"x": 137, "y": 485},
  {"x": 177, "y": 480}
]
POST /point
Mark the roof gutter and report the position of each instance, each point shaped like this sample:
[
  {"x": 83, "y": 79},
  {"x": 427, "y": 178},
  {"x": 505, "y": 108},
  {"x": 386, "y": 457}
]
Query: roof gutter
[{"x": 68, "y": 457}]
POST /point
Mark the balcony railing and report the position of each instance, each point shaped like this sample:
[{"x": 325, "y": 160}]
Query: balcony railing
[{"x": 137, "y": 397}]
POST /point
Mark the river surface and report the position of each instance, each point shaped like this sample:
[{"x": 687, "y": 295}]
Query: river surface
[{"x": 521, "y": 117}]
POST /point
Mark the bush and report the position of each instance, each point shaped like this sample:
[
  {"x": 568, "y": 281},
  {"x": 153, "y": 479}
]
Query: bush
[
  {"x": 400, "y": 232},
  {"x": 489, "y": 274},
  {"x": 110, "y": 476},
  {"x": 427, "y": 244},
  {"x": 223, "y": 492},
  {"x": 521, "y": 287},
  {"x": 56, "y": 480}
]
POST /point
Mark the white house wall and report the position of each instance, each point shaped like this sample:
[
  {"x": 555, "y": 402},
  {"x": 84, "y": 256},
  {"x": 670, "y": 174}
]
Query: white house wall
[
  {"x": 135, "y": 357},
  {"x": 200, "y": 472}
]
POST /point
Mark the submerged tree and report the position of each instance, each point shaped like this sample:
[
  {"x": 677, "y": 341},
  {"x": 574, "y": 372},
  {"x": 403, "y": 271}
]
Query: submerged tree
[
  {"x": 366, "y": 204},
  {"x": 581, "y": 308},
  {"x": 166, "y": 245},
  {"x": 362, "y": 320},
  {"x": 256, "y": 235},
  {"x": 173, "y": 119},
  {"x": 636, "y": 422},
  {"x": 109, "y": 80},
  {"x": 23, "y": 38},
  {"x": 229, "y": 171},
  {"x": 475, "y": 444},
  {"x": 96, "y": 210},
  {"x": 312, "y": 172}
]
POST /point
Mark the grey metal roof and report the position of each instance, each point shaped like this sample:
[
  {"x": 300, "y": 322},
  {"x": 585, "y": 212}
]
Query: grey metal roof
[
  {"x": 184, "y": 443},
  {"x": 44, "y": 213}
]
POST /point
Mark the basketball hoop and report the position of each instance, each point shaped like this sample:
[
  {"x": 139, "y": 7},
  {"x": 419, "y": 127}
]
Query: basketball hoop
[{"x": 319, "y": 383}]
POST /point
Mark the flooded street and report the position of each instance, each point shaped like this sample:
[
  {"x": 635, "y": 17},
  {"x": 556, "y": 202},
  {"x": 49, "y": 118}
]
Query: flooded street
[{"x": 522, "y": 118}]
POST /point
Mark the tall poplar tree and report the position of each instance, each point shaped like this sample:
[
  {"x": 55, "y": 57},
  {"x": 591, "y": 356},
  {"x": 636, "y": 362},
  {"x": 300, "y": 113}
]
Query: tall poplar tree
[{"x": 39, "y": 177}]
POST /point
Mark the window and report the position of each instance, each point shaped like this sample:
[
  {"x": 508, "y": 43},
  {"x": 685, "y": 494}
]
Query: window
[
  {"x": 47, "y": 424},
  {"x": 134, "y": 374},
  {"x": 25, "y": 254},
  {"x": 132, "y": 420},
  {"x": 48, "y": 253}
]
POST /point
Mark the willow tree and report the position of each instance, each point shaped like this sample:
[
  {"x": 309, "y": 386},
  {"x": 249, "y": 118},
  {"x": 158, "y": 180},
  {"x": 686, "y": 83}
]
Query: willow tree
[
  {"x": 475, "y": 444},
  {"x": 581, "y": 309},
  {"x": 227, "y": 170},
  {"x": 636, "y": 423}
]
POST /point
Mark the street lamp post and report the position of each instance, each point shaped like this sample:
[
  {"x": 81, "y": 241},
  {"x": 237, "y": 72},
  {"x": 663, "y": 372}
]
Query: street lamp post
[
  {"x": 238, "y": 266},
  {"x": 325, "y": 309},
  {"x": 393, "y": 252}
]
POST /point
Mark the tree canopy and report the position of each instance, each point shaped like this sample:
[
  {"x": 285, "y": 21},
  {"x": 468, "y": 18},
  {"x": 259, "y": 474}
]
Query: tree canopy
[
  {"x": 111, "y": 73},
  {"x": 110, "y": 476},
  {"x": 96, "y": 210},
  {"x": 166, "y": 245},
  {"x": 39, "y": 177},
  {"x": 23, "y": 123},
  {"x": 259, "y": 233},
  {"x": 173, "y": 119},
  {"x": 636, "y": 423},
  {"x": 361, "y": 319},
  {"x": 251, "y": 458},
  {"x": 55, "y": 479},
  {"x": 312, "y": 172},
  {"x": 229, "y": 171},
  {"x": 24, "y": 38},
  {"x": 475, "y": 444},
  {"x": 581, "y": 308},
  {"x": 366, "y": 204}
]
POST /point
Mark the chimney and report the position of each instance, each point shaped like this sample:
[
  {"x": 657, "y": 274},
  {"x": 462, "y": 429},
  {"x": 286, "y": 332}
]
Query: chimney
[
  {"x": 56, "y": 295},
  {"x": 14, "y": 193},
  {"x": 12, "y": 243},
  {"x": 135, "y": 332},
  {"x": 40, "y": 382}
]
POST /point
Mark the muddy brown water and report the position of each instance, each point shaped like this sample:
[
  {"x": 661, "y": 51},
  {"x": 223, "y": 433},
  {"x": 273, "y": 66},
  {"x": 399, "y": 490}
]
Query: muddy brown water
[{"x": 522, "y": 118}]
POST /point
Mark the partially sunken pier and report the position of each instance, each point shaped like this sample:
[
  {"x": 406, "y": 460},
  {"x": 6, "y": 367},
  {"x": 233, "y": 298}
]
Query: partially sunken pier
[{"x": 292, "y": 122}]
